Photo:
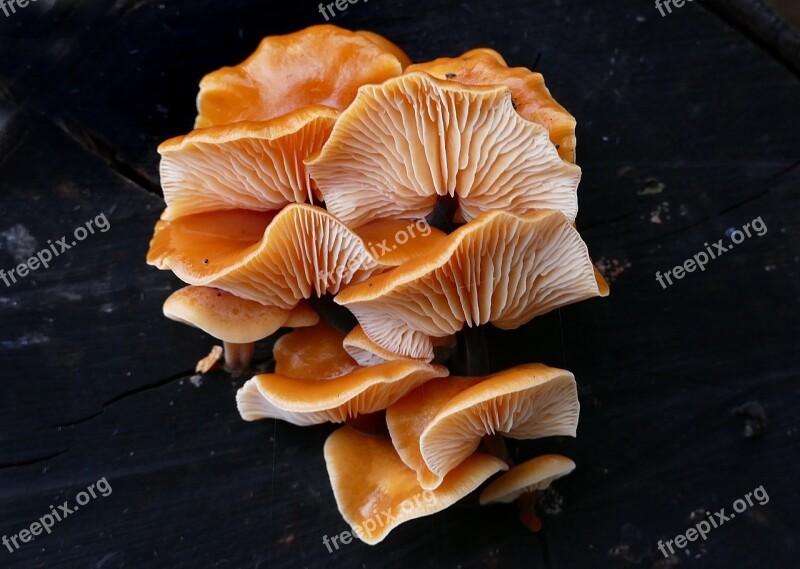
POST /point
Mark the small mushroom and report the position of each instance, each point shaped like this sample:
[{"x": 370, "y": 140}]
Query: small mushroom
[
  {"x": 256, "y": 166},
  {"x": 275, "y": 259},
  {"x": 526, "y": 402},
  {"x": 413, "y": 139},
  {"x": 531, "y": 97},
  {"x": 375, "y": 492},
  {"x": 407, "y": 419},
  {"x": 314, "y": 401},
  {"x": 238, "y": 322},
  {"x": 315, "y": 352},
  {"x": 320, "y": 65},
  {"x": 365, "y": 351},
  {"x": 301, "y": 316},
  {"x": 501, "y": 268},
  {"x": 531, "y": 476},
  {"x": 317, "y": 382},
  {"x": 523, "y": 482}
]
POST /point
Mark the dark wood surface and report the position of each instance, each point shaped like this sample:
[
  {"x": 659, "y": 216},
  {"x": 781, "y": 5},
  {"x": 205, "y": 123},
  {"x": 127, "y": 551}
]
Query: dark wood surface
[{"x": 686, "y": 128}]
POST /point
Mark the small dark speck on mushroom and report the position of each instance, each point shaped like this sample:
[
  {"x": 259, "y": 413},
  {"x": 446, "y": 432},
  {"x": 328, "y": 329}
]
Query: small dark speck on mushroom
[
  {"x": 205, "y": 261},
  {"x": 558, "y": 147},
  {"x": 450, "y": 75}
]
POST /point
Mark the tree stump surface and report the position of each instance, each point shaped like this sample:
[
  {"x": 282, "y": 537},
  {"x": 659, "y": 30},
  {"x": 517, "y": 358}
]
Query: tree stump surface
[{"x": 687, "y": 130}]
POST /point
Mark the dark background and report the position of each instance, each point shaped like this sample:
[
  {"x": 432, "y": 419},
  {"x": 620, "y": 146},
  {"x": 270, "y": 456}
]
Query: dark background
[{"x": 687, "y": 127}]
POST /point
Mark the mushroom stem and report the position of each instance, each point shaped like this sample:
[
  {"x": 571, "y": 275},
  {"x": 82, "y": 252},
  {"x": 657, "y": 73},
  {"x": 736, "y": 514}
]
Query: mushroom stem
[
  {"x": 443, "y": 212},
  {"x": 337, "y": 316},
  {"x": 369, "y": 424},
  {"x": 527, "y": 512},
  {"x": 238, "y": 356},
  {"x": 496, "y": 445},
  {"x": 472, "y": 357}
]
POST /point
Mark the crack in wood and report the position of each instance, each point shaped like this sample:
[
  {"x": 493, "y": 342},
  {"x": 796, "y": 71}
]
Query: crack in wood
[
  {"x": 96, "y": 146},
  {"x": 30, "y": 462}
]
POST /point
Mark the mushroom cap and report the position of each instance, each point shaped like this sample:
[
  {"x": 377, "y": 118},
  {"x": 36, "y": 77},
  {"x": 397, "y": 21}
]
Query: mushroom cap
[
  {"x": 365, "y": 351},
  {"x": 316, "y": 381},
  {"x": 312, "y": 353},
  {"x": 275, "y": 259},
  {"x": 397, "y": 241},
  {"x": 224, "y": 315},
  {"x": 404, "y": 143},
  {"x": 535, "y": 474},
  {"x": 320, "y": 65},
  {"x": 501, "y": 268},
  {"x": 369, "y": 479},
  {"x": 302, "y": 401},
  {"x": 302, "y": 315},
  {"x": 531, "y": 97},
  {"x": 384, "y": 43},
  {"x": 247, "y": 165},
  {"x": 407, "y": 419},
  {"x": 526, "y": 402}
]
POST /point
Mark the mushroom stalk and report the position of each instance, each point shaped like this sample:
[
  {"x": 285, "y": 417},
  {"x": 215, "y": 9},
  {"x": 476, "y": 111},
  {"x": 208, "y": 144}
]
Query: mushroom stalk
[
  {"x": 527, "y": 512},
  {"x": 337, "y": 316},
  {"x": 496, "y": 445},
  {"x": 370, "y": 423},
  {"x": 238, "y": 356},
  {"x": 443, "y": 212},
  {"x": 472, "y": 357}
]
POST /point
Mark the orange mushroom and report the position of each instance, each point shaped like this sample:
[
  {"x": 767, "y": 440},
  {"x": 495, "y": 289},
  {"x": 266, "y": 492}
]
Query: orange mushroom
[
  {"x": 315, "y": 381},
  {"x": 314, "y": 401},
  {"x": 437, "y": 426},
  {"x": 256, "y": 166},
  {"x": 274, "y": 259},
  {"x": 315, "y": 352},
  {"x": 397, "y": 241},
  {"x": 502, "y": 268},
  {"x": 523, "y": 482},
  {"x": 320, "y": 65},
  {"x": 407, "y": 419},
  {"x": 412, "y": 139},
  {"x": 365, "y": 351},
  {"x": 238, "y": 322},
  {"x": 530, "y": 96},
  {"x": 387, "y": 46},
  {"x": 326, "y": 116},
  {"x": 528, "y": 477},
  {"x": 375, "y": 492}
]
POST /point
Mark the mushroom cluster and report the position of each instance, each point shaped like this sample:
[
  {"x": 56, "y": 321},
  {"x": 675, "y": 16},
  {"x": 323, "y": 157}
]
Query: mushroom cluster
[{"x": 386, "y": 212}]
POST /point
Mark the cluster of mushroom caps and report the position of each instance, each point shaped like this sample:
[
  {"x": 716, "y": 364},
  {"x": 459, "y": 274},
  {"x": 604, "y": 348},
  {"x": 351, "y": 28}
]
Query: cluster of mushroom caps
[{"x": 324, "y": 144}]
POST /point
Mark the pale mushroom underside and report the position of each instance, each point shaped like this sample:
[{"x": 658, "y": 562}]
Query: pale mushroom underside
[
  {"x": 502, "y": 268},
  {"x": 527, "y": 402},
  {"x": 412, "y": 139}
]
